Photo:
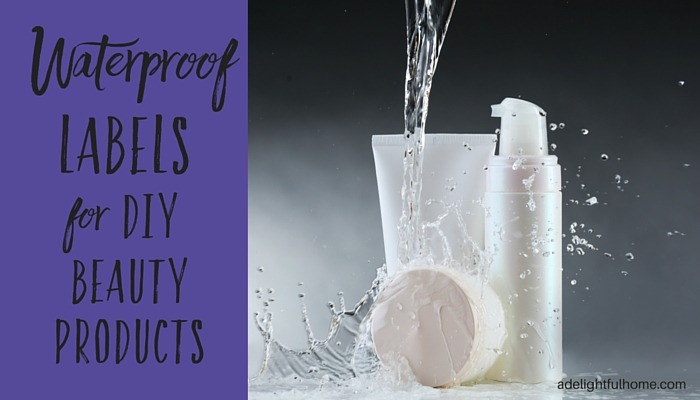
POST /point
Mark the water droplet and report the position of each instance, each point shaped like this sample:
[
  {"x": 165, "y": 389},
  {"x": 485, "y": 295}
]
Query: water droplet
[
  {"x": 300, "y": 283},
  {"x": 570, "y": 248},
  {"x": 270, "y": 291},
  {"x": 686, "y": 165},
  {"x": 302, "y": 295},
  {"x": 584, "y": 132},
  {"x": 572, "y": 227},
  {"x": 523, "y": 275},
  {"x": 591, "y": 201},
  {"x": 338, "y": 343},
  {"x": 497, "y": 131},
  {"x": 604, "y": 157},
  {"x": 629, "y": 256},
  {"x": 553, "y": 146},
  {"x": 261, "y": 269},
  {"x": 598, "y": 378},
  {"x": 399, "y": 306},
  {"x": 523, "y": 336},
  {"x": 587, "y": 288},
  {"x": 580, "y": 251},
  {"x": 562, "y": 125},
  {"x": 624, "y": 273},
  {"x": 573, "y": 282},
  {"x": 607, "y": 255},
  {"x": 518, "y": 163},
  {"x": 618, "y": 179},
  {"x": 531, "y": 205},
  {"x": 681, "y": 83},
  {"x": 258, "y": 290},
  {"x": 530, "y": 323},
  {"x": 553, "y": 127}
]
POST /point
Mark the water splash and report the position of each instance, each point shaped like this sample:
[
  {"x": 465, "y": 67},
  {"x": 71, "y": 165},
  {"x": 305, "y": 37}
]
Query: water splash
[
  {"x": 426, "y": 26},
  {"x": 345, "y": 353}
]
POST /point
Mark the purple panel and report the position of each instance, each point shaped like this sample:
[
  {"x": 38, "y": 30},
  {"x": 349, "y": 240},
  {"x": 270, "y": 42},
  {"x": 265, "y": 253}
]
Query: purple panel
[{"x": 202, "y": 154}]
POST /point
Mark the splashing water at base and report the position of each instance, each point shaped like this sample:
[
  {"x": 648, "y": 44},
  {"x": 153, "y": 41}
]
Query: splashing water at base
[{"x": 345, "y": 353}]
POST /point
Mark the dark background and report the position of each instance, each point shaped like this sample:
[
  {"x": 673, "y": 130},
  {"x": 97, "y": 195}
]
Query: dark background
[{"x": 326, "y": 75}]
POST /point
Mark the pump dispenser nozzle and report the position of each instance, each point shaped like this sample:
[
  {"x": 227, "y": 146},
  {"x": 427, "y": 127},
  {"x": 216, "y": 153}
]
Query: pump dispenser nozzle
[{"x": 523, "y": 128}]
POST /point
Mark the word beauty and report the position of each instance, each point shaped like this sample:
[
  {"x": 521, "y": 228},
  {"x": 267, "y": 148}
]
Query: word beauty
[
  {"x": 89, "y": 216},
  {"x": 123, "y": 61},
  {"x": 136, "y": 268}
]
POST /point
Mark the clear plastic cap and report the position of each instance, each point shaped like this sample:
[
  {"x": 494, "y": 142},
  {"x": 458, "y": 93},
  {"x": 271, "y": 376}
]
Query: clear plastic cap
[{"x": 523, "y": 128}]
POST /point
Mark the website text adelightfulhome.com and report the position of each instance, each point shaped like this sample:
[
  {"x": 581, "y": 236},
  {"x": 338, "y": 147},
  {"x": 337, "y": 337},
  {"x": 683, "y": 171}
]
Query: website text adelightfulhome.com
[{"x": 619, "y": 384}]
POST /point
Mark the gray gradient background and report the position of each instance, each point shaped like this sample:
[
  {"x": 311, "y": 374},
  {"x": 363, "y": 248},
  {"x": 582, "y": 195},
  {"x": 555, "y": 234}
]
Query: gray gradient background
[{"x": 326, "y": 75}]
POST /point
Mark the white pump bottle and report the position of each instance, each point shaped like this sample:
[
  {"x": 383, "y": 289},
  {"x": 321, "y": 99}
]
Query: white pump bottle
[{"x": 524, "y": 235}]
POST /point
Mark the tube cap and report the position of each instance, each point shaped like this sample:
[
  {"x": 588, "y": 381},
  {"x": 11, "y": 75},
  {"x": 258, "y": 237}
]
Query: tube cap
[
  {"x": 523, "y": 128},
  {"x": 425, "y": 317}
]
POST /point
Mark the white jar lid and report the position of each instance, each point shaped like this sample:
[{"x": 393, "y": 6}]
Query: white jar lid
[{"x": 436, "y": 323}]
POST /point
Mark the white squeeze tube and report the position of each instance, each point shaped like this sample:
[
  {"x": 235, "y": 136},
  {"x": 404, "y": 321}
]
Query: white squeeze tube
[
  {"x": 440, "y": 318},
  {"x": 453, "y": 176},
  {"x": 523, "y": 234}
]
